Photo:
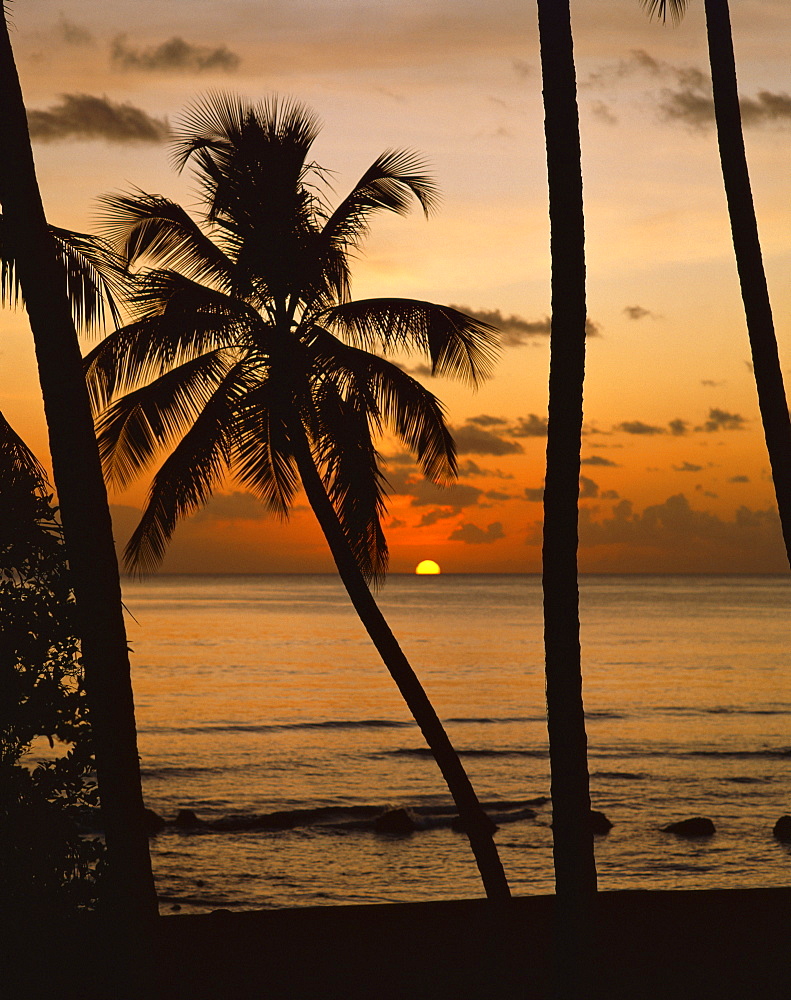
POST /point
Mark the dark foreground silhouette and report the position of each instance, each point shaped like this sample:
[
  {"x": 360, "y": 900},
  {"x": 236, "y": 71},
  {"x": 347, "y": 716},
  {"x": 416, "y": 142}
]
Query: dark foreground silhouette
[{"x": 701, "y": 944}]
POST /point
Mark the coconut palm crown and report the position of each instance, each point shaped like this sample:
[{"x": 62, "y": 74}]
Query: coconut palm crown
[{"x": 245, "y": 342}]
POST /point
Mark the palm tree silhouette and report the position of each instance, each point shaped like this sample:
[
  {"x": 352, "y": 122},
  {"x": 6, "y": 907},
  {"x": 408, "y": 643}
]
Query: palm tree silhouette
[
  {"x": 247, "y": 355},
  {"x": 575, "y": 867},
  {"x": 33, "y": 269},
  {"x": 746, "y": 244}
]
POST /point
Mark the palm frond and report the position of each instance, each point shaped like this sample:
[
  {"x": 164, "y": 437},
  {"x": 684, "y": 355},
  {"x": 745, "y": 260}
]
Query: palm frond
[
  {"x": 350, "y": 467},
  {"x": 661, "y": 8},
  {"x": 391, "y": 398},
  {"x": 140, "y": 225},
  {"x": 457, "y": 345},
  {"x": 187, "y": 478},
  {"x": 235, "y": 144},
  {"x": 142, "y": 351},
  {"x": 10, "y": 289},
  {"x": 389, "y": 184},
  {"x": 18, "y": 464},
  {"x": 95, "y": 278},
  {"x": 143, "y": 422},
  {"x": 263, "y": 458},
  {"x": 93, "y": 274}
]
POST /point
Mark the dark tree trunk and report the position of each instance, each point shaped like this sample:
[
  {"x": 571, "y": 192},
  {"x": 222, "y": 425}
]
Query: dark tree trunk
[
  {"x": 477, "y": 825},
  {"x": 747, "y": 246},
  {"x": 575, "y": 868},
  {"x": 84, "y": 510}
]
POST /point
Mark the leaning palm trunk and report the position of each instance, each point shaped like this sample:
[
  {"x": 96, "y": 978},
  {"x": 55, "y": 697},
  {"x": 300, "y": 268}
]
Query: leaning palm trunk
[
  {"x": 575, "y": 869},
  {"x": 746, "y": 244},
  {"x": 477, "y": 825},
  {"x": 84, "y": 509}
]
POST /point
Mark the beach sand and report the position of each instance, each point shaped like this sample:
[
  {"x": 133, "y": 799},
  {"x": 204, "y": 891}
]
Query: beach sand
[{"x": 676, "y": 944}]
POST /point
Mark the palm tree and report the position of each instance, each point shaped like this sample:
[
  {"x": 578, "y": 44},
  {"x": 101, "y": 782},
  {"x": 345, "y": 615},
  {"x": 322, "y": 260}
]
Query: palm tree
[
  {"x": 32, "y": 268},
  {"x": 747, "y": 247},
  {"x": 575, "y": 867},
  {"x": 247, "y": 355}
]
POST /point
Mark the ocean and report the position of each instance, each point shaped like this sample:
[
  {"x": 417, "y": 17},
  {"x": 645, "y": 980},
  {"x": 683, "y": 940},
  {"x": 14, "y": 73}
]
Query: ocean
[{"x": 264, "y": 709}]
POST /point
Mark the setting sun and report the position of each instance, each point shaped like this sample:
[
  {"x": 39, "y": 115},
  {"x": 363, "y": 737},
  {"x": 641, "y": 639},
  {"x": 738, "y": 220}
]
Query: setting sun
[{"x": 427, "y": 568}]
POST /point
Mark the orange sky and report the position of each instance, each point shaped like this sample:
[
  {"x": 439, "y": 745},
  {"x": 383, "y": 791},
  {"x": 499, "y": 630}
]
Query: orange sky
[{"x": 675, "y": 474}]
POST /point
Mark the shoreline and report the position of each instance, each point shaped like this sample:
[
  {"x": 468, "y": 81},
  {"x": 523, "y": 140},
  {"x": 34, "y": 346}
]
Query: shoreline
[{"x": 703, "y": 943}]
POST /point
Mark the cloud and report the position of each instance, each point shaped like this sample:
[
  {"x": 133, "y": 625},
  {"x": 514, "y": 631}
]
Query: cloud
[
  {"x": 721, "y": 420},
  {"x": 675, "y": 525},
  {"x": 592, "y": 328},
  {"x": 638, "y": 61},
  {"x": 638, "y": 312},
  {"x": 767, "y": 107},
  {"x": 678, "y": 427},
  {"x": 688, "y": 467},
  {"x": 470, "y": 468},
  {"x": 236, "y": 506},
  {"x": 710, "y": 383},
  {"x": 471, "y": 534},
  {"x": 534, "y": 495},
  {"x": 515, "y": 331},
  {"x": 487, "y": 420},
  {"x": 688, "y": 100},
  {"x": 604, "y": 113},
  {"x": 432, "y": 516},
  {"x": 739, "y": 479},
  {"x": 598, "y": 460},
  {"x": 692, "y": 104},
  {"x": 73, "y": 34},
  {"x": 638, "y": 427},
  {"x": 404, "y": 482},
  {"x": 588, "y": 489},
  {"x": 82, "y": 116},
  {"x": 522, "y": 69},
  {"x": 175, "y": 55},
  {"x": 422, "y": 371},
  {"x": 400, "y": 458},
  {"x": 530, "y": 426},
  {"x": 474, "y": 440}
]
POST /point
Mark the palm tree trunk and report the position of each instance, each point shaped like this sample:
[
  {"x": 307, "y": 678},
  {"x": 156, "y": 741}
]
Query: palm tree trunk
[
  {"x": 477, "y": 825},
  {"x": 747, "y": 246},
  {"x": 575, "y": 867},
  {"x": 85, "y": 514}
]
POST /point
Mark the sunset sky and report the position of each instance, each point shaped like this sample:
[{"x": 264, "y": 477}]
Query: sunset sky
[{"x": 675, "y": 473}]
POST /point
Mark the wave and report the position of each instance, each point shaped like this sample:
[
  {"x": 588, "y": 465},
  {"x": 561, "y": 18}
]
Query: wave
[
  {"x": 780, "y": 752},
  {"x": 483, "y": 752},
  {"x": 722, "y": 710},
  {"x": 658, "y": 754},
  {"x": 619, "y": 775},
  {"x": 273, "y": 727},
  {"x": 377, "y": 818},
  {"x": 496, "y": 720}
]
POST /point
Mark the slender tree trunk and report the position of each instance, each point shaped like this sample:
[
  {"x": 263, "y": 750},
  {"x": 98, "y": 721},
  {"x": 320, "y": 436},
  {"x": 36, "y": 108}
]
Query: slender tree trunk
[
  {"x": 747, "y": 246},
  {"x": 84, "y": 510},
  {"x": 477, "y": 825},
  {"x": 575, "y": 868}
]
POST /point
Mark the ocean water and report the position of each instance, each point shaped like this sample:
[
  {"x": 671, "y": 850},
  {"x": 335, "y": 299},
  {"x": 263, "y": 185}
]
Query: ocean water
[{"x": 263, "y": 707}]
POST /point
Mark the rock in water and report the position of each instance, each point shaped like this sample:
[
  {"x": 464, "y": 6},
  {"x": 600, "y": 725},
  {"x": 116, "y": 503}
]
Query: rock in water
[
  {"x": 697, "y": 826},
  {"x": 153, "y": 822},
  {"x": 599, "y": 822},
  {"x": 782, "y": 829},
  {"x": 395, "y": 821},
  {"x": 187, "y": 820}
]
